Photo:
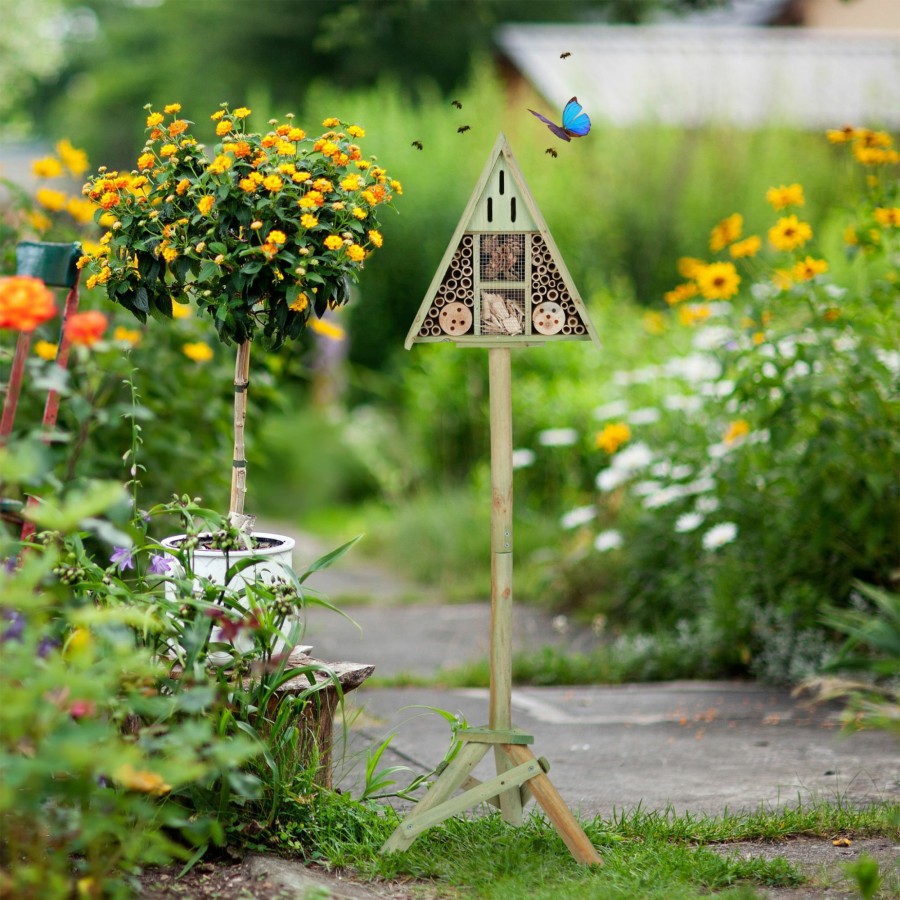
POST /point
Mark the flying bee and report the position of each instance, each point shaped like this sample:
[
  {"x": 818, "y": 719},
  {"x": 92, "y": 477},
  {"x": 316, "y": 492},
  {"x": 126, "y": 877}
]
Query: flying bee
[
  {"x": 417, "y": 145},
  {"x": 462, "y": 129},
  {"x": 456, "y": 103},
  {"x": 552, "y": 152},
  {"x": 565, "y": 55}
]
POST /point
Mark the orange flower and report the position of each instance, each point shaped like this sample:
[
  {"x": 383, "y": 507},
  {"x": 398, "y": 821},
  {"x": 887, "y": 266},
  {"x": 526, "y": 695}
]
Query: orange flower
[
  {"x": 86, "y": 328},
  {"x": 25, "y": 303}
]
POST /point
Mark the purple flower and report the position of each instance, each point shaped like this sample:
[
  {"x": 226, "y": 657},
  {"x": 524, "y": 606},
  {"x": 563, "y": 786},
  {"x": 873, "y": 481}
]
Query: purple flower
[
  {"x": 45, "y": 645},
  {"x": 16, "y": 626},
  {"x": 159, "y": 564},
  {"x": 122, "y": 558}
]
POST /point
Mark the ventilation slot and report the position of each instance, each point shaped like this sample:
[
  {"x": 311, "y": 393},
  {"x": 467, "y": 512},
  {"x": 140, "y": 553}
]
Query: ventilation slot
[
  {"x": 512, "y": 209},
  {"x": 501, "y": 182},
  {"x": 490, "y": 209}
]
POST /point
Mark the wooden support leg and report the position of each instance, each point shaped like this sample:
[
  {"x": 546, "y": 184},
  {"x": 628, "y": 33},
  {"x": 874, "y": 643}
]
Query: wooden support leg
[
  {"x": 451, "y": 778},
  {"x": 557, "y": 812}
]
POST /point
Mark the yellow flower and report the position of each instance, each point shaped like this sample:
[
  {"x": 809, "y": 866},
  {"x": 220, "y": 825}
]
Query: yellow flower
[
  {"x": 758, "y": 338},
  {"x": 273, "y": 183},
  {"x": 45, "y": 350},
  {"x": 359, "y": 213},
  {"x": 356, "y": 253},
  {"x": 130, "y": 336},
  {"x": 333, "y": 242},
  {"x": 276, "y": 237},
  {"x": 850, "y": 236},
  {"x": 145, "y": 161},
  {"x": 172, "y": 108},
  {"x": 331, "y": 122},
  {"x": 612, "y": 437},
  {"x": 736, "y": 430},
  {"x": 141, "y": 780},
  {"x": 783, "y": 279},
  {"x": 693, "y": 313},
  {"x": 808, "y": 268},
  {"x": 249, "y": 184},
  {"x": 396, "y": 187},
  {"x": 48, "y": 167},
  {"x": 681, "y": 292},
  {"x": 351, "y": 182},
  {"x": 300, "y": 303},
  {"x": 223, "y": 127},
  {"x": 154, "y": 119},
  {"x": 52, "y": 200},
  {"x": 376, "y": 238},
  {"x": 167, "y": 150},
  {"x": 222, "y": 163},
  {"x": 718, "y": 281},
  {"x": 689, "y": 266},
  {"x": 323, "y": 185},
  {"x": 888, "y": 216},
  {"x": 170, "y": 254},
  {"x": 356, "y": 132},
  {"x": 789, "y": 233},
  {"x": 841, "y": 135},
  {"x": 874, "y": 156},
  {"x": 74, "y": 159},
  {"x": 311, "y": 199},
  {"x": 81, "y": 210},
  {"x": 285, "y": 148},
  {"x": 747, "y": 247},
  {"x": 653, "y": 322},
  {"x": 327, "y": 330},
  {"x": 217, "y": 115},
  {"x": 39, "y": 221},
  {"x": 785, "y": 195},
  {"x": 300, "y": 177},
  {"x": 308, "y": 221},
  {"x": 198, "y": 352},
  {"x": 242, "y": 112},
  {"x": 726, "y": 232},
  {"x": 182, "y": 186},
  {"x": 205, "y": 204},
  {"x": 180, "y": 310}
]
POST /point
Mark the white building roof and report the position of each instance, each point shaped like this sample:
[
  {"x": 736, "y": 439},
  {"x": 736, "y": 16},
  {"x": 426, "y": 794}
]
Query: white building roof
[{"x": 685, "y": 75}]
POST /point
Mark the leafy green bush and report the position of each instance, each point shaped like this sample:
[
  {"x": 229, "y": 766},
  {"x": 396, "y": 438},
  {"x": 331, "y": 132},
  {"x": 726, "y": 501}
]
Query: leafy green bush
[{"x": 755, "y": 496}]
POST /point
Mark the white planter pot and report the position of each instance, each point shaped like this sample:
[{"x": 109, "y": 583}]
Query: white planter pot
[{"x": 214, "y": 564}]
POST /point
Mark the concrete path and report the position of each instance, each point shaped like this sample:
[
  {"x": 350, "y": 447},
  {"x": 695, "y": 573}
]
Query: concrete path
[{"x": 694, "y": 746}]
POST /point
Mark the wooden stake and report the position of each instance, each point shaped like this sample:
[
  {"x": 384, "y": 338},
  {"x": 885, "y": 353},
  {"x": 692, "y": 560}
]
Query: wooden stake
[
  {"x": 14, "y": 386},
  {"x": 239, "y": 461},
  {"x": 500, "y": 384},
  {"x": 557, "y": 812}
]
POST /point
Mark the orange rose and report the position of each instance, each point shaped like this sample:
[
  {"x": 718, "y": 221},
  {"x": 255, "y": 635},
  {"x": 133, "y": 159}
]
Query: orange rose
[
  {"x": 86, "y": 328},
  {"x": 25, "y": 303}
]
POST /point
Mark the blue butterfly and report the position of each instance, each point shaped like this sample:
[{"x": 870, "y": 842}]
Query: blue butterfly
[{"x": 575, "y": 121}]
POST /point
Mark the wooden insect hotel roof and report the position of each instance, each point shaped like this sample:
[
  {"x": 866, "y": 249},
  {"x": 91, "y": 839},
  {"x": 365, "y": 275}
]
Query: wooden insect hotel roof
[{"x": 502, "y": 281}]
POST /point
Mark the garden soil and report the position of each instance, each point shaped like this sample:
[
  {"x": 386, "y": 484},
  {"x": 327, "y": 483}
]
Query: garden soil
[{"x": 689, "y": 746}]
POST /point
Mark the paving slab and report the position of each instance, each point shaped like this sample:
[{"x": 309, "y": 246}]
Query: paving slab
[{"x": 689, "y": 746}]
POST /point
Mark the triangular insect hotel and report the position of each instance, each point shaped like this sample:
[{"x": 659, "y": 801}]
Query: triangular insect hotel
[{"x": 502, "y": 281}]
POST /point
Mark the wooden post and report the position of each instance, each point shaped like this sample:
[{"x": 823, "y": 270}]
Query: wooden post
[
  {"x": 500, "y": 385},
  {"x": 14, "y": 386},
  {"x": 239, "y": 461}
]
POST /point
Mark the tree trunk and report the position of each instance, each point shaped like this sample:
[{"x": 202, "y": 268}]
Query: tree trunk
[{"x": 239, "y": 461}]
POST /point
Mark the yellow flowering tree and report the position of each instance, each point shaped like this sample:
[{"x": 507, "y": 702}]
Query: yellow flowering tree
[{"x": 261, "y": 232}]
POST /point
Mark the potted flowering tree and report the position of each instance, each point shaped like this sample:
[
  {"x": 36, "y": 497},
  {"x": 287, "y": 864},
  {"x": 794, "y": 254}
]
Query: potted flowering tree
[{"x": 261, "y": 233}]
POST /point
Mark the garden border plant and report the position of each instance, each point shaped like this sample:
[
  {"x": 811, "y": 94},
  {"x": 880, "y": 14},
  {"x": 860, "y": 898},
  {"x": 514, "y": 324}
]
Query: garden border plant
[{"x": 273, "y": 228}]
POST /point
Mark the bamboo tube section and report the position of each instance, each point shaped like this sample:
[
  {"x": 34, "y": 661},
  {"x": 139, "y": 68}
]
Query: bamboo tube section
[
  {"x": 239, "y": 460},
  {"x": 14, "y": 386}
]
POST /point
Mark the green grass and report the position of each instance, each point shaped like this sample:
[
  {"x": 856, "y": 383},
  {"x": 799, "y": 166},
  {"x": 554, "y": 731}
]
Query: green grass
[{"x": 646, "y": 854}]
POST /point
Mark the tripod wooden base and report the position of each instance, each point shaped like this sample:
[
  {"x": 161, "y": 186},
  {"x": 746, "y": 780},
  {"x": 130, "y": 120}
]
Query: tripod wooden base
[{"x": 522, "y": 776}]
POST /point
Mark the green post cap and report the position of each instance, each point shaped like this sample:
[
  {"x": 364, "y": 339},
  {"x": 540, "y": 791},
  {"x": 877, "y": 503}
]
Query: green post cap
[{"x": 54, "y": 264}]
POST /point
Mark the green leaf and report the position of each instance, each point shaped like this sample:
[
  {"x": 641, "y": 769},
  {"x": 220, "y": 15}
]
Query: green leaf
[{"x": 95, "y": 499}]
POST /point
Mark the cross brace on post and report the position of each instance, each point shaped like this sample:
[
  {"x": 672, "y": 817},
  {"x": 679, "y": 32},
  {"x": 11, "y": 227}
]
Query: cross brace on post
[{"x": 519, "y": 774}]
